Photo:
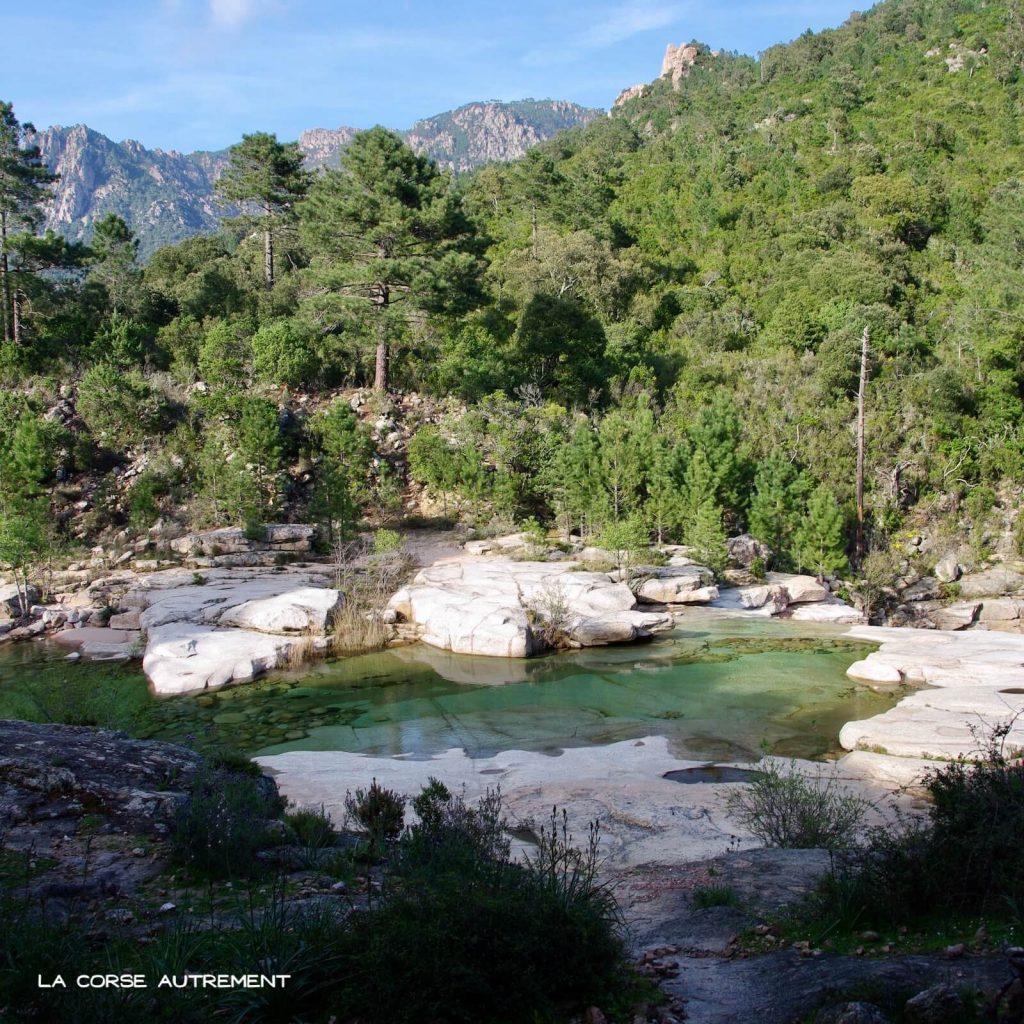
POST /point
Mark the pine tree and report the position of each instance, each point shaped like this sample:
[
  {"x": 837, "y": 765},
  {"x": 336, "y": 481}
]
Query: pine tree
[
  {"x": 343, "y": 454},
  {"x": 706, "y": 535},
  {"x": 698, "y": 487},
  {"x": 267, "y": 179},
  {"x": 114, "y": 261},
  {"x": 776, "y": 505},
  {"x": 24, "y": 181},
  {"x": 664, "y": 490},
  {"x": 818, "y": 543},
  {"x": 577, "y": 482},
  {"x": 389, "y": 245}
]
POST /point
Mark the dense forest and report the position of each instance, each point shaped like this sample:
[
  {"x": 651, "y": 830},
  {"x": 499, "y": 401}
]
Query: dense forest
[{"x": 651, "y": 326}]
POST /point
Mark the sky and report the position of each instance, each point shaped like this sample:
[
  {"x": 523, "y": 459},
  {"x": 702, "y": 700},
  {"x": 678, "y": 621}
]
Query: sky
[{"x": 197, "y": 74}]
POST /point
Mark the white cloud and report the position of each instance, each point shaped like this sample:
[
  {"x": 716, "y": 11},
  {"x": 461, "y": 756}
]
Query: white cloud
[
  {"x": 232, "y": 13},
  {"x": 616, "y": 25},
  {"x": 627, "y": 20}
]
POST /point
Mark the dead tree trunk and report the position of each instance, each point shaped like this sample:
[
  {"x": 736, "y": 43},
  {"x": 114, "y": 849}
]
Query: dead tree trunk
[{"x": 861, "y": 394}]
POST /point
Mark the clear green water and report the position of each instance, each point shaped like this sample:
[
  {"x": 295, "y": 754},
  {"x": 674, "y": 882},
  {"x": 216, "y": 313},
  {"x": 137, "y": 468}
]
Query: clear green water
[{"x": 719, "y": 689}]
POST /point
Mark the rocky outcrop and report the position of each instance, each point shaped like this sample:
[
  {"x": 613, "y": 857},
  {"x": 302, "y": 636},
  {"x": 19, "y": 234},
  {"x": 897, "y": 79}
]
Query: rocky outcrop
[
  {"x": 231, "y": 546},
  {"x": 58, "y": 773},
  {"x": 632, "y": 93},
  {"x": 229, "y": 626},
  {"x": 504, "y": 608},
  {"x": 167, "y": 196},
  {"x": 678, "y": 62},
  {"x": 690, "y": 584},
  {"x": 974, "y": 680}
]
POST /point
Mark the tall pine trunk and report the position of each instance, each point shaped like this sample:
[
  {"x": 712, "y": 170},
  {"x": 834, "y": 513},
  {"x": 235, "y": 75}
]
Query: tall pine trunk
[
  {"x": 380, "y": 373},
  {"x": 268, "y": 258},
  {"x": 5, "y": 278}
]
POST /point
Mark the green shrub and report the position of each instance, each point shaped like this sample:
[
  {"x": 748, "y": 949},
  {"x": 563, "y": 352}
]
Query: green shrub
[
  {"x": 787, "y": 809},
  {"x": 312, "y": 826},
  {"x": 283, "y": 353},
  {"x": 966, "y": 855},
  {"x": 378, "y": 811},
  {"x": 705, "y": 896},
  {"x": 120, "y": 408},
  {"x": 386, "y": 541},
  {"x": 224, "y": 823}
]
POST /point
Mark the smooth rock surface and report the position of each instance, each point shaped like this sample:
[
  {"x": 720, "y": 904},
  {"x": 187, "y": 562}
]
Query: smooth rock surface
[
  {"x": 491, "y": 607},
  {"x": 196, "y": 635},
  {"x": 974, "y": 680}
]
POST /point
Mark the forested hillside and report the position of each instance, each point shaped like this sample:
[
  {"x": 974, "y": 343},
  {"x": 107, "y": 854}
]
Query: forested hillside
[{"x": 653, "y": 324}]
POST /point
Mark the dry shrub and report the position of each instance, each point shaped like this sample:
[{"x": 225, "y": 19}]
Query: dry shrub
[{"x": 367, "y": 581}]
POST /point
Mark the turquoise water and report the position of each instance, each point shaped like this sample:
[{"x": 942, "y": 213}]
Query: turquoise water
[{"x": 721, "y": 689}]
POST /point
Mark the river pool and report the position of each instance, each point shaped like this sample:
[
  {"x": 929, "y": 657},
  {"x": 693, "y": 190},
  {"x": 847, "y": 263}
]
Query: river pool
[{"x": 719, "y": 688}]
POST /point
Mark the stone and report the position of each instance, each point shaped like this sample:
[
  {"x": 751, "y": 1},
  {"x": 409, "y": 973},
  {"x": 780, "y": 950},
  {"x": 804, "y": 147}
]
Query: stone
[
  {"x": 305, "y": 610},
  {"x": 991, "y": 582},
  {"x": 1001, "y": 609},
  {"x": 676, "y": 585},
  {"x": 10, "y": 601},
  {"x": 869, "y": 671},
  {"x": 744, "y": 550},
  {"x": 832, "y": 610},
  {"x": 800, "y": 589},
  {"x": 948, "y": 570},
  {"x": 970, "y": 677},
  {"x": 925, "y": 589},
  {"x": 622, "y": 627},
  {"x": 851, "y": 1013},
  {"x": 489, "y": 607},
  {"x": 124, "y": 620},
  {"x": 956, "y": 616},
  {"x": 940, "y": 1004},
  {"x": 772, "y": 598},
  {"x": 678, "y": 62}
]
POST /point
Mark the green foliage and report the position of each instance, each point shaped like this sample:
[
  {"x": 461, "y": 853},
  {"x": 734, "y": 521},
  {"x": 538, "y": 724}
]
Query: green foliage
[
  {"x": 224, "y": 823},
  {"x": 25, "y": 540},
  {"x": 386, "y": 226},
  {"x": 312, "y": 828},
  {"x": 283, "y": 353},
  {"x": 224, "y": 355},
  {"x": 818, "y": 540},
  {"x": 343, "y": 452},
  {"x": 706, "y": 896},
  {"x": 378, "y": 811},
  {"x": 119, "y": 408},
  {"x": 386, "y": 541},
  {"x": 788, "y": 809},
  {"x": 964, "y": 856}
]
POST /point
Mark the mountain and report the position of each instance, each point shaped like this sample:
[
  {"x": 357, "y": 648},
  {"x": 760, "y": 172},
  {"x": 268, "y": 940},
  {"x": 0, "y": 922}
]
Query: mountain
[{"x": 167, "y": 196}]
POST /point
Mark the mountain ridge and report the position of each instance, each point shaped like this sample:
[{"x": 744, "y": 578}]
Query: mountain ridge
[{"x": 166, "y": 195}]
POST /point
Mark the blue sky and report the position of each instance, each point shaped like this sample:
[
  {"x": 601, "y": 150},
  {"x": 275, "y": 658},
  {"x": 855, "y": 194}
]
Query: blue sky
[{"x": 196, "y": 74}]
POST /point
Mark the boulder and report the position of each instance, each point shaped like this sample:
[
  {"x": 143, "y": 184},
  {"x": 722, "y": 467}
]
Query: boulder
[
  {"x": 182, "y": 657},
  {"x": 871, "y": 670},
  {"x": 744, "y": 550},
  {"x": 832, "y": 610},
  {"x": 799, "y": 589},
  {"x": 307, "y": 609},
  {"x": 489, "y": 607},
  {"x": 124, "y": 620},
  {"x": 773, "y": 598},
  {"x": 676, "y": 585},
  {"x": 1001, "y": 609},
  {"x": 623, "y": 627},
  {"x": 948, "y": 569},
  {"x": 10, "y": 601},
  {"x": 851, "y": 1013},
  {"x": 956, "y": 616},
  {"x": 940, "y": 1004},
  {"x": 991, "y": 582},
  {"x": 926, "y": 589}
]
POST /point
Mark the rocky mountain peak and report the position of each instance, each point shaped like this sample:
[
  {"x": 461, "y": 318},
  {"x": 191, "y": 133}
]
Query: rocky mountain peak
[{"x": 678, "y": 61}]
